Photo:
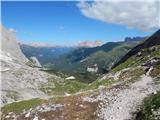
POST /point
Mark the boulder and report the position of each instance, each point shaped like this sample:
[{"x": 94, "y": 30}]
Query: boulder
[{"x": 70, "y": 78}]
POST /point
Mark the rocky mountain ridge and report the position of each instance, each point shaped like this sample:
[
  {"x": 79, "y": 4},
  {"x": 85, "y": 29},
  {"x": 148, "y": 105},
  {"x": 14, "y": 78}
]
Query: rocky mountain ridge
[
  {"x": 21, "y": 80},
  {"x": 151, "y": 41}
]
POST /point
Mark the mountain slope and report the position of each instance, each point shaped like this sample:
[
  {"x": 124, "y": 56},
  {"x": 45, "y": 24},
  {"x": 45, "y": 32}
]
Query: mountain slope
[
  {"x": 43, "y": 53},
  {"x": 10, "y": 45},
  {"x": 20, "y": 80},
  {"x": 93, "y": 61},
  {"x": 151, "y": 41},
  {"x": 85, "y": 64},
  {"x": 83, "y": 53},
  {"x": 121, "y": 90}
]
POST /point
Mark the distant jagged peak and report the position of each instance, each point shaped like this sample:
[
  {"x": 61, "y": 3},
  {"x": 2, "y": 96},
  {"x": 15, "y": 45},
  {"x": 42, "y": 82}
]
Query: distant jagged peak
[
  {"x": 89, "y": 43},
  {"x": 134, "y": 39}
]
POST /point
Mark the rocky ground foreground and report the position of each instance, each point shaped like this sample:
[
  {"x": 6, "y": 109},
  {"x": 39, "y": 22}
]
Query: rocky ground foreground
[{"x": 118, "y": 102}]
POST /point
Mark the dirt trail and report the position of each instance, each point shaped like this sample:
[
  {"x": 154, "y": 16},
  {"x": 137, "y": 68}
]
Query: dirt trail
[
  {"x": 127, "y": 101},
  {"x": 121, "y": 101}
]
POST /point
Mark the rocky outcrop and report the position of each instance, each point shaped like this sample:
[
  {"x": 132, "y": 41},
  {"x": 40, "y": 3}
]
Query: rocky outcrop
[
  {"x": 18, "y": 80},
  {"x": 93, "y": 69},
  {"x": 10, "y": 45},
  {"x": 35, "y": 61},
  {"x": 70, "y": 78},
  {"x": 134, "y": 39}
]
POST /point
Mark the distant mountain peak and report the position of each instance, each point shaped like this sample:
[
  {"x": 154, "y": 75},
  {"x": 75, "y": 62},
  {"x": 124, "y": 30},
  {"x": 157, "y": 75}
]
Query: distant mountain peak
[
  {"x": 90, "y": 43},
  {"x": 153, "y": 40},
  {"x": 134, "y": 39}
]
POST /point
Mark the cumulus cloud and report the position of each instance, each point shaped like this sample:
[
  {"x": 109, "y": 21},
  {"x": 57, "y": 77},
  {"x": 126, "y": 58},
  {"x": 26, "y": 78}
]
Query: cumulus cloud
[{"x": 142, "y": 15}]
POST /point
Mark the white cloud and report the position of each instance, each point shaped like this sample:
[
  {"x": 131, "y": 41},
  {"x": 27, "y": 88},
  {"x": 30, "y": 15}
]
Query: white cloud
[
  {"x": 12, "y": 30},
  {"x": 15, "y": 31},
  {"x": 27, "y": 33},
  {"x": 142, "y": 15},
  {"x": 40, "y": 44}
]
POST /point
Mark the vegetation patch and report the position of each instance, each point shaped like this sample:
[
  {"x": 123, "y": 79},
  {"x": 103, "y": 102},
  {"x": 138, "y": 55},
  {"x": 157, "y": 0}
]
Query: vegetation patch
[
  {"x": 156, "y": 71},
  {"x": 150, "y": 104},
  {"x": 126, "y": 64},
  {"x": 17, "y": 107},
  {"x": 68, "y": 87},
  {"x": 144, "y": 55},
  {"x": 98, "y": 83},
  {"x": 132, "y": 74}
]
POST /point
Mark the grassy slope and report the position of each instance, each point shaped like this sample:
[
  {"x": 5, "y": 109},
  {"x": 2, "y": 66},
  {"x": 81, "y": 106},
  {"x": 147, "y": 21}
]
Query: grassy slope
[
  {"x": 19, "y": 106},
  {"x": 135, "y": 60}
]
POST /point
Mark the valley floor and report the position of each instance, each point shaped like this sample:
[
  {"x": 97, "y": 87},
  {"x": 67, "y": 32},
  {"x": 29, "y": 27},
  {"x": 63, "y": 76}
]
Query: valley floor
[{"x": 118, "y": 102}]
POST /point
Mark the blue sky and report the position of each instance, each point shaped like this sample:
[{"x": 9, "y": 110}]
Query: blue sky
[{"x": 60, "y": 23}]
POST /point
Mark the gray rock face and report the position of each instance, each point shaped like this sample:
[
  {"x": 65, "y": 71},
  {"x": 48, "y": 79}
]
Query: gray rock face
[
  {"x": 10, "y": 45},
  {"x": 35, "y": 61},
  {"x": 18, "y": 80}
]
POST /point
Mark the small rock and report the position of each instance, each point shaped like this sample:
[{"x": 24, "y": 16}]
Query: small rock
[
  {"x": 68, "y": 104},
  {"x": 67, "y": 94},
  {"x": 82, "y": 106},
  {"x": 35, "y": 118},
  {"x": 27, "y": 115},
  {"x": 8, "y": 116},
  {"x": 119, "y": 108},
  {"x": 101, "y": 87},
  {"x": 13, "y": 116},
  {"x": 70, "y": 78},
  {"x": 10, "y": 113},
  {"x": 155, "y": 92},
  {"x": 30, "y": 109},
  {"x": 101, "y": 103},
  {"x": 139, "y": 54}
]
